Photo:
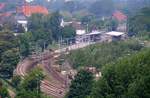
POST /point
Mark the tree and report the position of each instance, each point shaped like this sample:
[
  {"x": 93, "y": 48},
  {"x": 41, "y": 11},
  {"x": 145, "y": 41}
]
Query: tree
[
  {"x": 39, "y": 27},
  {"x": 30, "y": 86},
  {"x": 3, "y": 91},
  {"x": 24, "y": 46},
  {"x": 7, "y": 41},
  {"x": 102, "y": 7},
  {"x": 70, "y": 6},
  {"x": 10, "y": 59},
  {"x": 87, "y": 19},
  {"x": 9, "y": 54},
  {"x": 127, "y": 78},
  {"x": 54, "y": 25},
  {"x": 81, "y": 86},
  {"x": 30, "y": 94},
  {"x": 16, "y": 80},
  {"x": 27, "y": 94},
  {"x": 140, "y": 23},
  {"x": 113, "y": 25},
  {"x": 68, "y": 32},
  {"x": 32, "y": 80},
  {"x": 94, "y": 54}
]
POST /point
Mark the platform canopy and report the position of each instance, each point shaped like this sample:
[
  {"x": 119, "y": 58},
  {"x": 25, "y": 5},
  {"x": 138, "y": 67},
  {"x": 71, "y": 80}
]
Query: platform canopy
[{"x": 115, "y": 33}]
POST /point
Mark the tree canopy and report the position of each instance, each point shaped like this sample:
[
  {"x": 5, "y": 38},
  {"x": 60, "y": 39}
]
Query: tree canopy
[
  {"x": 81, "y": 86},
  {"x": 128, "y": 78},
  {"x": 100, "y": 54},
  {"x": 102, "y": 7},
  {"x": 9, "y": 54},
  {"x": 140, "y": 23},
  {"x": 30, "y": 86}
]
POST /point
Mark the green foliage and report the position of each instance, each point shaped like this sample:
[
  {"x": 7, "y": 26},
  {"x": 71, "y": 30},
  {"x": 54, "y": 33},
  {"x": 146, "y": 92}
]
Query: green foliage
[
  {"x": 32, "y": 80},
  {"x": 24, "y": 46},
  {"x": 3, "y": 91},
  {"x": 27, "y": 94},
  {"x": 16, "y": 80},
  {"x": 70, "y": 6},
  {"x": 140, "y": 23},
  {"x": 39, "y": 26},
  {"x": 113, "y": 25},
  {"x": 100, "y": 54},
  {"x": 30, "y": 86},
  {"x": 10, "y": 59},
  {"x": 81, "y": 86},
  {"x": 9, "y": 54},
  {"x": 128, "y": 78},
  {"x": 102, "y": 7},
  {"x": 99, "y": 23},
  {"x": 55, "y": 25},
  {"x": 7, "y": 41},
  {"x": 68, "y": 32},
  {"x": 45, "y": 29},
  {"x": 87, "y": 19}
]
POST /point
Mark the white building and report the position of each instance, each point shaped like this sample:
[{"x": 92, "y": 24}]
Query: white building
[
  {"x": 115, "y": 36},
  {"x": 80, "y": 36},
  {"x": 21, "y": 19},
  {"x": 63, "y": 23},
  {"x": 94, "y": 36}
]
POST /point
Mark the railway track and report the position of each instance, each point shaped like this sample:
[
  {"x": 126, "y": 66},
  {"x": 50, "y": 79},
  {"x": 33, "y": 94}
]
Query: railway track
[{"x": 48, "y": 87}]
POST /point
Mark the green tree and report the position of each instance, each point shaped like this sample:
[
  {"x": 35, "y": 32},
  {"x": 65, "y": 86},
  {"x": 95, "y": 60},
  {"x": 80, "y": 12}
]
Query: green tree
[
  {"x": 30, "y": 86},
  {"x": 70, "y": 6},
  {"x": 9, "y": 53},
  {"x": 10, "y": 59},
  {"x": 32, "y": 80},
  {"x": 3, "y": 91},
  {"x": 7, "y": 41},
  {"x": 128, "y": 78},
  {"x": 102, "y": 7},
  {"x": 113, "y": 25},
  {"x": 54, "y": 24},
  {"x": 39, "y": 28},
  {"x": 140, "y": 23},
  {"x": 24, "y": 46},
  {"x": 81, "y": 86},
  {"x": 68, "y": 32},
  {"x": 30, "y": 94},
  {"x": 94, "y": 54},
  {"x": 27, "y": 94},
  {"x": 16, "y": 80}
]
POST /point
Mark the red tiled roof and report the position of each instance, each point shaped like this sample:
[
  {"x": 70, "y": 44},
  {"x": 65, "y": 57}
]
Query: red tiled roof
[
  {"x": 2, "y": 5},
  {"x": 29, "y": 10},
  {"x": 119, "y": 16},
  {"x": 6, "y": 14}
]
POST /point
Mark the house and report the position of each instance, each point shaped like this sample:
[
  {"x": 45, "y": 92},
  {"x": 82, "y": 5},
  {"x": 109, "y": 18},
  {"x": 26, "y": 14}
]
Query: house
[
  {"x": 119, "y": 16},
  {"x": 22, "y": 20},
  {"x": 63, "y": 23},
  {"x": 80, "y": 36},
  {"x": 115, "y": 36},
  {"x": 75, "y": 24},
  {"x": 28, "y": 10},
  {"x": 94, "y": 36}
]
